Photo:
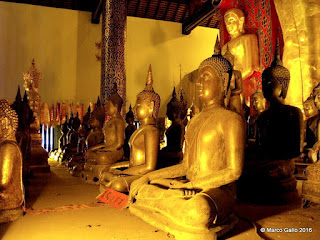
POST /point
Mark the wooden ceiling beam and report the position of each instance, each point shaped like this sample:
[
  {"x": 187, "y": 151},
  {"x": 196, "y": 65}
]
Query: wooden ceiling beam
[
  {"x": 157, "y": 9},
  {"x": 137, "y": 8},
  {"x": 147, "y": 8},
  {"x": 97, "y": 8},
  {"x": 166, "y": 11},
  {"x": 175, "y": 12}
]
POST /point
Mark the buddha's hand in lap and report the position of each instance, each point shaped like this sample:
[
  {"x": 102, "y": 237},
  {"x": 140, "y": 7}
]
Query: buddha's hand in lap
[
  {"x": 115, "y": 171},
  {"x": 174, "y": 184},
  {"x": 135, "y": 187}
]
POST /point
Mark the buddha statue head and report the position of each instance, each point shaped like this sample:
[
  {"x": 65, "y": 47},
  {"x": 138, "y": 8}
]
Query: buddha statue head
[
  {"x": 130, "y": 116},
  {"x": 275, "y": 81},
  {"x": 86, "y": 119},
  {"x": 97, "y": 116},
  {"x": 214, "y": 75},
  {"x": 174, "y": 107},
  {"x": 114, "y": 102},
  {"x": 309, "y": 106},
  {"x": 148, "y": 101},
  {"x": 316, "y": 94},
  {"x": 8, "y": 121},
  {"x": 234, "y": 20},
  {"x": 258, "y": 101},
  {"x": 76, "y": 123}
]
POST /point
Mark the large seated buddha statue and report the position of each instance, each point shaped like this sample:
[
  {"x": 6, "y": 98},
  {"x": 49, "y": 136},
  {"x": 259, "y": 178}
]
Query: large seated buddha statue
[
  {"x": 194, "y": 199},
  {"x": 172, "y": 154},
  {"x": 144, "y": 143},
  {"x": 11, "y": 187},
  {"x": 268, "y": 177},
  {"x": 111, "y": 150},
  {"x": 244, "y": 47}
]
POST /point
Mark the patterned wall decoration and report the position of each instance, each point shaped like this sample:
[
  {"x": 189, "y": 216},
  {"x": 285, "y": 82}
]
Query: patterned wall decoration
[
  {"x": 114, "y": 17},
  {"x": 260, "y": 19}
]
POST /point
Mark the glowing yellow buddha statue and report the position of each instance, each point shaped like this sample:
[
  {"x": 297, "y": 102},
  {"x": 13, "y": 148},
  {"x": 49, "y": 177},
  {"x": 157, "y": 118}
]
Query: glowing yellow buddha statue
[
  {"x": 144, "y": 143},
  {"x": 111, "y": 150},
  {"x": 244, "y": 47},
  {"x": 11, "y": 188},
  {"x": 192, "y": 199}
]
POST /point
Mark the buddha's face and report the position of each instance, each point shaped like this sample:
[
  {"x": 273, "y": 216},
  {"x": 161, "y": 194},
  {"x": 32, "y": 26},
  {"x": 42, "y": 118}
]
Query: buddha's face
[
  {"x": 94, "y": 123},
  {"x": 310, "y": 109},
  {"x": 258, "y": 102},
  {"x": 272, "y": 90},
  {"x": 142, "y": 109},
  {"x": 208, "y": 84},
  {"x": 233, "y": 23},
  {"x": 111, "y": 108},
  {"x": 317, "y": 100}
]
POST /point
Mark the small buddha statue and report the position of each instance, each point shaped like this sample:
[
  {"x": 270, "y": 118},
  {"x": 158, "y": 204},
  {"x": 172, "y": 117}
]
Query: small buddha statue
[
  {"x": 83, "y": 133},
  {"x": 312, "y": 128},
  {"x": 111, "y": 150},
  {"x": 194, "y": 199},
  {"x": 172, "y": 153},
  {"x": 70, "y": 129},
  {"x": 11, "y": 187},
  {"x": 63, "y": 140},
  {"x": 72, "y": 147},
  {"x": 244, "y": 47},
  {"x": 95, "y": 137},
  {"x": 144, "y": 143},
  {"x": 233, "y": 99},
  {"x": 259, "y": 105},
  {"x": 130, "y": 128},
  {"x": 268, "y": 178}
]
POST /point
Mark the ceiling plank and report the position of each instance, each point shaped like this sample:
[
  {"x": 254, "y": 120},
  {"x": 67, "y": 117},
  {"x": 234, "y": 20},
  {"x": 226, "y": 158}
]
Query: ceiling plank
[{"x": 96, "y": 11}]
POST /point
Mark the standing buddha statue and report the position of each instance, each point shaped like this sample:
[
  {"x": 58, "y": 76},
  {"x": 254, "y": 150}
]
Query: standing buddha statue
[
  {"x": 244, "y": 47},
  {"x": 111, "y": 150},
  {"x": 11, "y": 187},
  {"x": 194, "y": 199},
  {"x": 172, "y": 153},
  {"x": 144, "y": 143}
]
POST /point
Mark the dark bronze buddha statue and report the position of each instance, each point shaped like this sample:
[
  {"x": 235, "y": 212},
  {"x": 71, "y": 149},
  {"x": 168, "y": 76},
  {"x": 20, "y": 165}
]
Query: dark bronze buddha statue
[
  {"x": 129, "y": 130},
  {"x": 268, "y": 177},
  {"x": 11, "y": 187},
  {"x": 172, "y": 154},
  {"x": 144, "y": 143},
  {"x": 194, "y": 199}
]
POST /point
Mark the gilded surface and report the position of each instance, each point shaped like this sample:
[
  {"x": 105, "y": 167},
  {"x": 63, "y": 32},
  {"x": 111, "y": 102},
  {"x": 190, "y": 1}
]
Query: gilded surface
[
  {"x": 213, "y": 159},
  {"x": 11, "y": 189},
  {"x": 300, "y": 21}
]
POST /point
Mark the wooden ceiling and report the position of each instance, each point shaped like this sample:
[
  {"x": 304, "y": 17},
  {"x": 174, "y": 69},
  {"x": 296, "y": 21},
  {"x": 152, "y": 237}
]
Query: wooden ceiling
[{"x": 167, "y": 10}]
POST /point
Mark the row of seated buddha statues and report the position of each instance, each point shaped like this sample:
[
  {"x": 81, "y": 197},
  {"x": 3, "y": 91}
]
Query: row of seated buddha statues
[
  {"x": 11, "y": 186},
  {"x": 194, "y": 199},
  {"x": 111, "y": 149}
]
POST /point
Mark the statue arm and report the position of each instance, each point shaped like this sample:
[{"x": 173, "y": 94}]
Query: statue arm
[
  {"x": 238, "y": 83},
  {"x": 101, "y": 145},
  {"x": 234, "y": 150},
  {"x": 151, "y": 140},
  {"x": 119, "y": 133},
  {"x": 251, "y": 56},
  {"x": 9, "y": 155},
  {"x": 124, "y": 164}
]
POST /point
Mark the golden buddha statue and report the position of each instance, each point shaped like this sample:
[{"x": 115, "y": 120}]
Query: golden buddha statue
[
  {"x": 111, "y": 151},
  {"x": 11, "y": 187},
  {"x": 192, "y": 200},
  {"x": 233, "y": 99},
  {"x": 259, "y": 105},
  {"x": 144, "y": 143},
  {"x": 268, "y": 176},
  {"x": 244, "y": 48},
  {"x": 172, "y": 154}
]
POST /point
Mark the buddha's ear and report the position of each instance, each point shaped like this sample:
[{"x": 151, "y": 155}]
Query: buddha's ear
[
  {"x": 151, "y": 107},
  {"x": 241, "y": 24}
]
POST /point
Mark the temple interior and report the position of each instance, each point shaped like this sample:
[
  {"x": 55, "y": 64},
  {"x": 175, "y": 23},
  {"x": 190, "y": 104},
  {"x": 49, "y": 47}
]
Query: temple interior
[{"x": 159, "y": 119}]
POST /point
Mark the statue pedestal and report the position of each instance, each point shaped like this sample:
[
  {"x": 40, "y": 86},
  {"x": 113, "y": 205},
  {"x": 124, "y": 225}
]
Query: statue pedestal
[
  {"x": 39, "y": 156},
  {"x": 311, "y": 187}
]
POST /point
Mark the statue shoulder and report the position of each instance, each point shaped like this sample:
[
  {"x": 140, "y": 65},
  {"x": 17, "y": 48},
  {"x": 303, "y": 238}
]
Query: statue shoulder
[{"x": 8, "y": 147}]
